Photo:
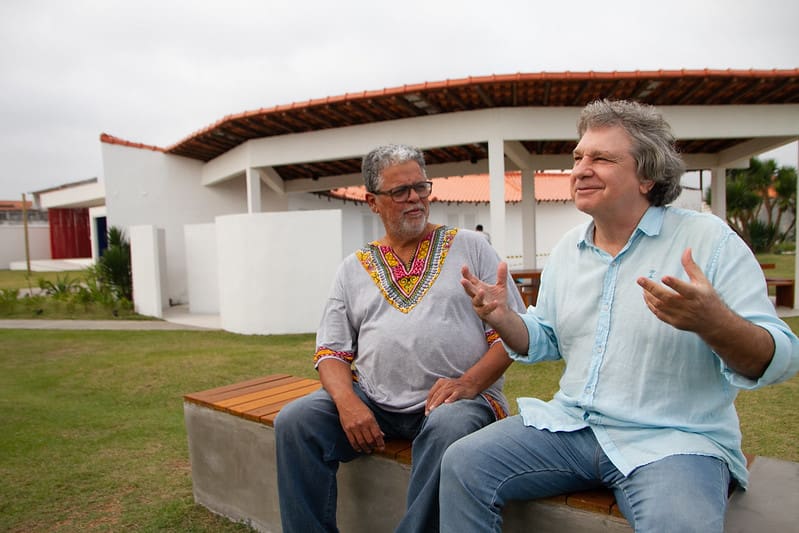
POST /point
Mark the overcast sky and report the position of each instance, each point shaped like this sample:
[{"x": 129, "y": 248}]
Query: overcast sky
[{"x": 156, "y": 71}]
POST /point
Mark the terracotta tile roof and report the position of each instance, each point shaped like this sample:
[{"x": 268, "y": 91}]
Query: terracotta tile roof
[
  {"x": 110, "y": 139},
  {"x": 542, "y": 89},
  {"x": 546, "y": 89},
  {"x": 14, "y": 205},
  {"x": 474, "y": 188}
]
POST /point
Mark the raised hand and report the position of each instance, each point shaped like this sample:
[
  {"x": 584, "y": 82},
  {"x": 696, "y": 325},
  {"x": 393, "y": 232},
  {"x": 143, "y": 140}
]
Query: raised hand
[{"x": 486, "y": 299}]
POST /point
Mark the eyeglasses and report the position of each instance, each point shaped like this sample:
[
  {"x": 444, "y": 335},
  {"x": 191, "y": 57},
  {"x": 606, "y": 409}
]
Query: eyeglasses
[{"x": 402, "y": 193}]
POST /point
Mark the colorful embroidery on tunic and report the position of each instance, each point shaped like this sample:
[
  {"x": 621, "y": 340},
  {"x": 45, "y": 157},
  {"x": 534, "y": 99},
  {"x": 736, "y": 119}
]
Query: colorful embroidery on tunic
[
  {"x": 499, "y": 412},
  {"x": 492, "y": 336},
  {"x": 326, "y": 353},
  {"x": 405, "y": 287}
]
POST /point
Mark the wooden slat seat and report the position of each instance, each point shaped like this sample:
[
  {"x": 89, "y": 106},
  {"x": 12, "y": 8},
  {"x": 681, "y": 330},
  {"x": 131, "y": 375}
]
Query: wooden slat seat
[{"x": 261, "y": 399}]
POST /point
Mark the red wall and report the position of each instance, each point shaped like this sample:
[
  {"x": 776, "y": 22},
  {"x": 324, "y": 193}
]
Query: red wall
[{"x": 69, "y": 233}]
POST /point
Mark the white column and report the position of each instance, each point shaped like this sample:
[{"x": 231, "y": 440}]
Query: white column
[
  {"x": 253, "y": 190},
  {"x": 529, "y": 247},
  {"x": 796, "y": 240},
  {"x": 496, "y": 173},
  {"x": 718, "y": 192}
]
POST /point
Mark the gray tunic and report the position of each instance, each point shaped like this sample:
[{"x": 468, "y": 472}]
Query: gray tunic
[{"x": 404, "y": 328}]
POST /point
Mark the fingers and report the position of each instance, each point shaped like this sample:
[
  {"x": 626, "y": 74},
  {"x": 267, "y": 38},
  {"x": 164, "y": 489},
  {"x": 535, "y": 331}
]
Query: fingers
[
  {"x": 448, "y": 391},
  {"x": 697, "y": 282},
  {"x": 362, "y": 430},
  {"x": 439, "y": 393},
  {"x": 502, "y": 274},
  {"x": 366, "y": 439}
]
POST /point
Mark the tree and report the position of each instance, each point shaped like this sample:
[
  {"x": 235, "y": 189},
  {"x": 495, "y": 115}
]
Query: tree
[{"x": 760, "y": 200}]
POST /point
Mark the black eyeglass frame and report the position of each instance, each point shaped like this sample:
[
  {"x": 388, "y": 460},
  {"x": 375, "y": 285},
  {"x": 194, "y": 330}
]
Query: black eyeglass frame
[{"x": 403, "y": 192}]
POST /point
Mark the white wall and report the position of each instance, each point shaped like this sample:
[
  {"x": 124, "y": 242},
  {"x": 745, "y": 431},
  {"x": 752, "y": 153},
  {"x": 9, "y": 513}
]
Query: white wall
[
  {"x": 202, "y": 269},
  {"x": 276, "y": 269},
  {"x": 148, "y": 257},
  {"x": 12, "y": 244},
  {"x": 145, "y": 187},
  {"x": 360, "y": 225}
]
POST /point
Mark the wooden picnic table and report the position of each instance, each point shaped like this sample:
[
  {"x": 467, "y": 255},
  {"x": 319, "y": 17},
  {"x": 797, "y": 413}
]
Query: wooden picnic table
[{"x": 527, "y": 281}]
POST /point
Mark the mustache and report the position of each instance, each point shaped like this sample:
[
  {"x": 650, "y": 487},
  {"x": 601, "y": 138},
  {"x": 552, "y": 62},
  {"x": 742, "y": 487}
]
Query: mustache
[{"x": 413, "y": 207}]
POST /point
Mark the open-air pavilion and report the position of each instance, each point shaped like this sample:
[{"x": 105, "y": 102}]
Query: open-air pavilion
[{"x": 253, "y": 163}]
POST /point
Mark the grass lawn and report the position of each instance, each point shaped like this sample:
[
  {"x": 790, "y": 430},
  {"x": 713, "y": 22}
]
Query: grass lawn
[
  {"x": 92, "y": 421},
  {"x": 18, "y": 279},
  {"x": 93, "y": 436}
]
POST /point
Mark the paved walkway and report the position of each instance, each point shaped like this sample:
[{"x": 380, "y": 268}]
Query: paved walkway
[
  {"x": 175, "y": 318},
  {"x": 95, "y": 324}
]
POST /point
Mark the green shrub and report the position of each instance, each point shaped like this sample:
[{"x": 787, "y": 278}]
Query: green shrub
[
  {"x": 113, "y": 268},
  {"x": 61, "y": 289},
  {"x": 8, "y": 300}
]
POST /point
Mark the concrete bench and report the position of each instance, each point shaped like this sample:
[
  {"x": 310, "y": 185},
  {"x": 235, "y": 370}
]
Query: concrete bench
[{"x": 232, "y": 454}]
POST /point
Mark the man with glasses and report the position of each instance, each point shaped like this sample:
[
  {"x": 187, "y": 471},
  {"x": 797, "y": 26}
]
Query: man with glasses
[{"x": 400, "y": 353}]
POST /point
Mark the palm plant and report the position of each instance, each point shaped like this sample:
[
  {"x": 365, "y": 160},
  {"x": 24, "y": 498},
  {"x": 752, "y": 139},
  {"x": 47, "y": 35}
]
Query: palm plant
[{"x": 114, "y": 268}]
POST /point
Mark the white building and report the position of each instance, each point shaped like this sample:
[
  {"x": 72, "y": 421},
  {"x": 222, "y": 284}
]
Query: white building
[{"x": 227, "y": 219}]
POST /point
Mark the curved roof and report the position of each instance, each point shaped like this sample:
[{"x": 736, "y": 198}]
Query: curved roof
[{"x": 660, "y": 88}]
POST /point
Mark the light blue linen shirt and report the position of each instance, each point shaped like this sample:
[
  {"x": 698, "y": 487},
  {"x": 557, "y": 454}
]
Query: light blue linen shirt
[{"x": 646, "y": 389}]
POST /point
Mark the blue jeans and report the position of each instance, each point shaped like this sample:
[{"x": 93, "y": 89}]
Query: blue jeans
[
  {"x": 511, "y": 461},
  {"x": 311, "y": 443}
]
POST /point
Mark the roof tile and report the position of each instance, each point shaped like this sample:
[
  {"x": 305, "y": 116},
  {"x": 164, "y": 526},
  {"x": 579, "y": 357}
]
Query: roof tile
[{"x": 474, "y": 188}]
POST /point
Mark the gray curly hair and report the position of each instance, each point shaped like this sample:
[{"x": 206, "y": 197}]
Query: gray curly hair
[
  {"x": 382, "y": 157},
  {"x": 653, "y": 144}
]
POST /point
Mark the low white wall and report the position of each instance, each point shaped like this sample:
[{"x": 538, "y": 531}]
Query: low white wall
[
  {"x": 276, "y": 269},
  {"x": 148, "y": 257},
  {"x": 202, "y": 272},
  {"x": 146, "y": 187},
  {"x": 12, "y": 244}
]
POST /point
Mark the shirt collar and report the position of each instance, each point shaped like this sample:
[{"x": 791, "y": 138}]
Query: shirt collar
[{"x": 650, "y": 224}]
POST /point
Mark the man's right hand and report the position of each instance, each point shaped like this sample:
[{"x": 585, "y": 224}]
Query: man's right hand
[
  {"x": 360, "y": 425},
  {"x": 490, "y": 302},
  {"x": 357, "y": 420}
]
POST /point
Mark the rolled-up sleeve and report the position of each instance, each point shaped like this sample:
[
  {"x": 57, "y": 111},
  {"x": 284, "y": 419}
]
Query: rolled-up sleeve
[
  {"x": 784, "y": 363},
  {"x": 543, "y": 342}
]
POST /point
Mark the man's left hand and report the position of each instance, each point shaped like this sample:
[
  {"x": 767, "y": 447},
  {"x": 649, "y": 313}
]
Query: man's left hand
[
  {"x": 684, "y": 305},
  {"x": 448, "y": 391}
]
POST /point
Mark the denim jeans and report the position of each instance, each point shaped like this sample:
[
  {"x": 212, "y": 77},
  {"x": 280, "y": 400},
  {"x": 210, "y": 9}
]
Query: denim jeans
[
  {"x": 311, "y": 443},
  {"x": 511, "y": 461}
]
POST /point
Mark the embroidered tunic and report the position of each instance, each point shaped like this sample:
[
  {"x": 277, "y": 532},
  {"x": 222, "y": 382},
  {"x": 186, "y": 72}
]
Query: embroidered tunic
[{"x": 404, "y": 327}]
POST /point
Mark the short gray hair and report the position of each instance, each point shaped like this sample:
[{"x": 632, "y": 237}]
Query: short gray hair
[
  {"x": 653, "y": 144},
  {"x": 382, "y": 157}
]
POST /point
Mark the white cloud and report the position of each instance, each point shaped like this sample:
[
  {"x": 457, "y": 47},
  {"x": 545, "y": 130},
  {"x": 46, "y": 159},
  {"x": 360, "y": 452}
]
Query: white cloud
[{"x": 155, "y": 71}]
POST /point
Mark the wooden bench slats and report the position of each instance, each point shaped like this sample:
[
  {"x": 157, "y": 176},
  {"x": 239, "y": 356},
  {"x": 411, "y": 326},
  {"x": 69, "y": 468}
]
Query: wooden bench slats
[
  {"x": 253, "y": 396},
  {"x": 275, "y": 404},
  {"x": 216, "y": 397},
  {"x": 270, "y": 403},
  {"x": 399, "y": 450},
  {"x": 598, "y": 500},
  {"x": 268, "y": 413},
  {"x": 209, "y": 396}
]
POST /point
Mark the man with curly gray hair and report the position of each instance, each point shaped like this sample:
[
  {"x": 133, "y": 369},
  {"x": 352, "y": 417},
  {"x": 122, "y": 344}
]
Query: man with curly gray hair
[{"x": 661, "y": 316}]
